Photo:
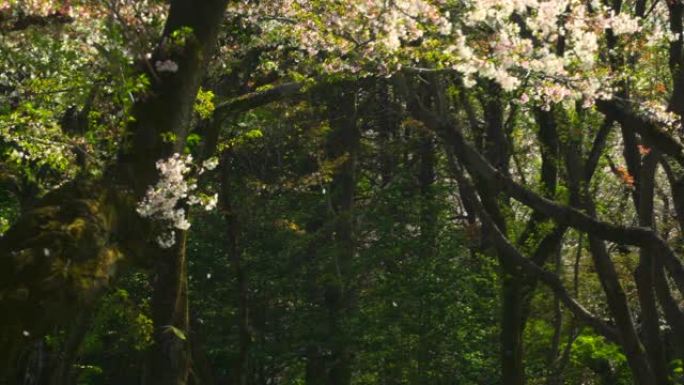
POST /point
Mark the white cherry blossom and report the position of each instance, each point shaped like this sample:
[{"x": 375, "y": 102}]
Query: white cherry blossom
[{"x": 173, "y": 189}]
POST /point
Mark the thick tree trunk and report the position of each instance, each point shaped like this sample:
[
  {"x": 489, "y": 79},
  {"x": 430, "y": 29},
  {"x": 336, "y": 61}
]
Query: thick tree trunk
[
  {"x": 387, "y": 126},
  {"x": 316, "y": 372},
  {"x": 428, "y": 235},
  {"x": 169, "y": 357},
  {"x": 550, "y": 243},
  {"x": 54, "y": 261},
  {"x": 171, "y": 111}
]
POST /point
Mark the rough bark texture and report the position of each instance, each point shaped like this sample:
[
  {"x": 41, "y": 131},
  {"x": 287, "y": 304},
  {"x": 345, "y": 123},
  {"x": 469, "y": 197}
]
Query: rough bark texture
[
  {"x": 56, "y": 259},
  {"x": 169, "y": 357}
]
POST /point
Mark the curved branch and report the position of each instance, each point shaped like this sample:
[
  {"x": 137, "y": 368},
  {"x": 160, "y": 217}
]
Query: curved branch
[
  {"x": 256, "y": 99},
  {"x": 649, "y": 130}
]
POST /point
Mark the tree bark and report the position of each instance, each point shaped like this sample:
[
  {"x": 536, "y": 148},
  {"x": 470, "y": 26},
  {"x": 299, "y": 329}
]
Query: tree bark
[{"x": 169, "y": 356}]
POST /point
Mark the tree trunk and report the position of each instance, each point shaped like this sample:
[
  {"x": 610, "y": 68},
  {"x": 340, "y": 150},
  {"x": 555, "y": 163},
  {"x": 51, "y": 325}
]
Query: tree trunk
[
  {"x": 512, "y": 327},
  {"x": 645, "y": 273},
  {"x": 342, "y": 144},
  {"x": 169, "y": 356},
  {"x": 241, "y": 367},
  {"x": 512, "y": 315}
]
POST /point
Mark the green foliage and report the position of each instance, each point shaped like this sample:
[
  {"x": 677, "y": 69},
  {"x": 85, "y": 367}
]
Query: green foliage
[
  {"x": 605, "y": 359},
  {"x": 169, "y": 137},
  {"x": 677, "y": 370},
  {"x": 120, "y": 324},
  {"x": 180, "y": 36},
  {"x": 193, "y": 140},
  {"x": 119, "y": 335},
  {"x": 204, "y": 103}
]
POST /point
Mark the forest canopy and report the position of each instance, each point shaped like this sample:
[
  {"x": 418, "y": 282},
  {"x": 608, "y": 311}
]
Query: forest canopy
[{"x": 325, "y": 192}]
